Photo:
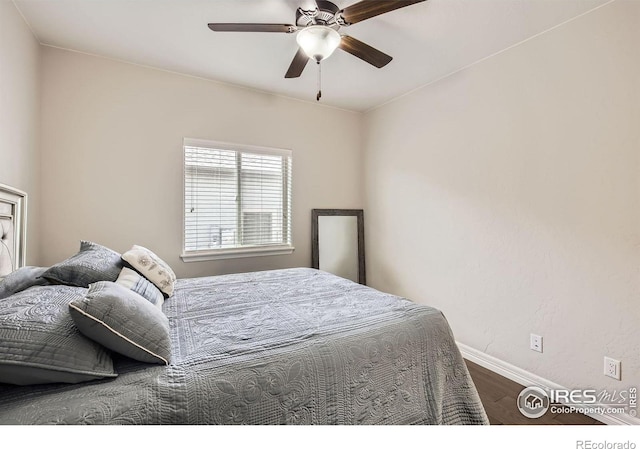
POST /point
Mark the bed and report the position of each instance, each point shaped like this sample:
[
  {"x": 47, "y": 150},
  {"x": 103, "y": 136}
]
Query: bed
[{"x": 291, "y": 346}]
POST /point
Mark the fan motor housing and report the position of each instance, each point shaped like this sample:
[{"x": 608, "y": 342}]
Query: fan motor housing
[{"x": 324, "y": 14}]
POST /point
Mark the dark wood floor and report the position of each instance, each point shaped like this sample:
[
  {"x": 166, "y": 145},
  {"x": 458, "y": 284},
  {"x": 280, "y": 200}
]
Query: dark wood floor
[{"x": 499, "y": 396}]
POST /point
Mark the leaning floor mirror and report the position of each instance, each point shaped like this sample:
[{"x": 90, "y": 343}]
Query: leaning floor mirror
[{"x": 338, "y": 242}]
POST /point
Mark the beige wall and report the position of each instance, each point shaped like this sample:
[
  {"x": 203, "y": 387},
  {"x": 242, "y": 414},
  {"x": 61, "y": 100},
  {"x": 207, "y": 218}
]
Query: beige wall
[
  {"x": 508, "y": 196},
  {"x": 19, "y": 116},
  {"x": 112, "y": 156}
]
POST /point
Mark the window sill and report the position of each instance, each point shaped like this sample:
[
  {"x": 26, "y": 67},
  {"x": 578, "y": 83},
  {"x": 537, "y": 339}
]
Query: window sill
[{"x": 235, "y": 253}]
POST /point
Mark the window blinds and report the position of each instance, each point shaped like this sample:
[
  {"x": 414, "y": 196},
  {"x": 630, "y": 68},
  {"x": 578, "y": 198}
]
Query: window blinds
[{"x": 235, "y": 197}]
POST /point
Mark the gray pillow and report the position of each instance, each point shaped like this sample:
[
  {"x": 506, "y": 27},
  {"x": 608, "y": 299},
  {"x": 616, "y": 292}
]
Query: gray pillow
[
  {"x": 22, "y": 279},
  {"x": 134, "y": 281},
  {"x": 124, "y": 322},
  {"x": 40, "y": 344},
  {"x": 91, "y": 264}
]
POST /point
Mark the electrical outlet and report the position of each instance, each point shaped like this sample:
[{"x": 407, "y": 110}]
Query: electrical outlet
[
  {"x": 536, "y": 343},
  {"x": 612, "y": 368}
]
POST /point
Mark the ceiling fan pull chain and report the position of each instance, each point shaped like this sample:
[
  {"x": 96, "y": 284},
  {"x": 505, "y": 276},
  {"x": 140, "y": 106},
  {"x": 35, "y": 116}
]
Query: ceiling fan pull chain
[{"x": 319, "y": 82}]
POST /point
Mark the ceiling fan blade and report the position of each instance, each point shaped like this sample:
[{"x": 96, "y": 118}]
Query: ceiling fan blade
[
  {"x": 253, "y": 27},
  {"x": 367, "y": 9},
  {"x": 365, "y": 52},
  {"x": 297, "y": 65}
]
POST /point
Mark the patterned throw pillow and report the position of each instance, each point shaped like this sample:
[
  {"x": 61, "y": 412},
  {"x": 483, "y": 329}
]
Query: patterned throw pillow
[
  {"x": 40, "y": 344},
  {"x": 22, "y": 279},
  {"x": 152, "y": 267},
  {"x": 124, "y": 322},
  {"x": 91, "y": 264},
  {"x": 135, "y": 282}
]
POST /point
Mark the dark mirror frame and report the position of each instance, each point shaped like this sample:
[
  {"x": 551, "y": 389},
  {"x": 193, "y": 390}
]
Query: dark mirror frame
[{"x": 315, "y": 256}]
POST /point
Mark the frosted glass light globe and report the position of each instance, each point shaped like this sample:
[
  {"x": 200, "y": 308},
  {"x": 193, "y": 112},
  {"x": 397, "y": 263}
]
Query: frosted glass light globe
[{"x": 318, "y": 41}]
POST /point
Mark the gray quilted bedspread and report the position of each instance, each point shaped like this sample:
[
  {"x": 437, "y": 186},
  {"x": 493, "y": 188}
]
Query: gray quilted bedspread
[{"x": 294, "y": 346}]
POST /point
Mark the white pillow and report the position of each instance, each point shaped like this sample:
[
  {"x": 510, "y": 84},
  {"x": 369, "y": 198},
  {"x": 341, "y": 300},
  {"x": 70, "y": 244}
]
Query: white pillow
[
  {"x": 136, "y": 282},
  {"x": 152, "y": 267}
]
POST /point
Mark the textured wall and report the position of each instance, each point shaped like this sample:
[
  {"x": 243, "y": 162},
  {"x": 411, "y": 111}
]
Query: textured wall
[
  {"x": 508, "y": 196},
  {"x": 112, "y": 156},
  {"x": 20, "y": 116}
]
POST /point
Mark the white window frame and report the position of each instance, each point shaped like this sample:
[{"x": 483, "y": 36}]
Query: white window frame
[{"x": 238, "y": 252}]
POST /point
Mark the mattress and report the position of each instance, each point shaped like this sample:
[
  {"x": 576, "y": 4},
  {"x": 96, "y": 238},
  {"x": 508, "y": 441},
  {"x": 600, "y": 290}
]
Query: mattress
[{"x": 294, "y": 346}]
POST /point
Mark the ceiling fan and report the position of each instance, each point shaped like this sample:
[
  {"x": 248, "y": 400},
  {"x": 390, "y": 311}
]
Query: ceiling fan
[{"x": 318, "y": 35}]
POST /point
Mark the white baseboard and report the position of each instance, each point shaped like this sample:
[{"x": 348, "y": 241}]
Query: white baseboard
[{"x": 528, "y": 379}]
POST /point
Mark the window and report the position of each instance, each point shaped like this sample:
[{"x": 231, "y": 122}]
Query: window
[{"x": 237, "y": 201}]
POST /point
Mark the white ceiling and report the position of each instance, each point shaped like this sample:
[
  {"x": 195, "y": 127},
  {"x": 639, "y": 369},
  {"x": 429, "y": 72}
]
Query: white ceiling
[{"x": 428, "y": 40}]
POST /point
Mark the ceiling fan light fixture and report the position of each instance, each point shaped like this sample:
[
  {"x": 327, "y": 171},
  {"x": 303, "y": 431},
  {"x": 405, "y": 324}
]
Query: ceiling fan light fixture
[{"x": 318, "y": 41}]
